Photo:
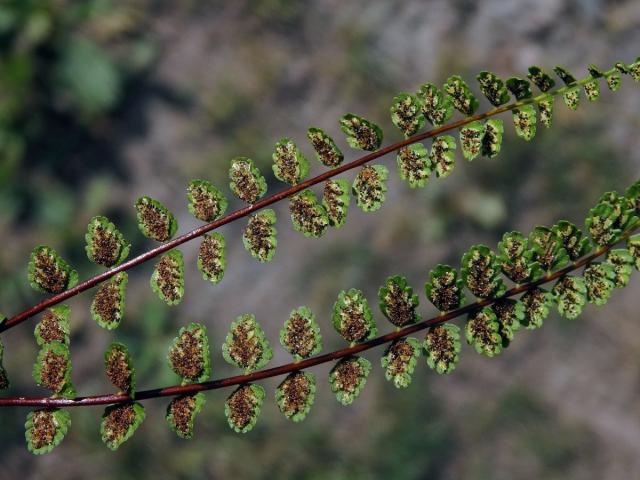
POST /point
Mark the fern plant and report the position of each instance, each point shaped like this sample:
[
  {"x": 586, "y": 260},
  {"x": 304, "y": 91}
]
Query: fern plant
[{"x": 515, "y": 286}]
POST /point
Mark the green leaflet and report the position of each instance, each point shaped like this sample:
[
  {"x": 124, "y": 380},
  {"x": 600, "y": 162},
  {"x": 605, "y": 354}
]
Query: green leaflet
[
  {"x": 471, "y": 139},
  {"x": 436, "y": 106},
  {"x": 537, "y": 303},
  {"x": 633, "y": 195},
  {"x": 545, "y": 109},
  {"x": 622, "y": 262},
  {"x": 243, "y": 406},
  {"x": 610, "y": 217},
  {"x": 461, "y": 96},
  {"x": 52, "y": 369},
  {"x": 48, "y": 272},
  {"x": 510, "y": 315},
  {"x": 348, "y": 378},
  {"x": 398, "y": 302},
  {"x": 167, "y": 279},
  {"x": 289, "y": 164},
  {"x": 45, "y": 429},
  {"x": 105, "y": 244},
  {"x": 548, "y": 249},
  {"x": 361, "y": 133},
  {"x": 53, "y": 326},
  {"x": 259, "y": 236},
  {"x": 592, "y": 89},
  {"x": 182, "y": 412},
  {"x": 542, "y": 80},
  {"x": 300, "y": 335},
  {"x": 414, "y": 164},
  {"x": 212, "y": 260},
  {"x": 406, "y": 113},
  {"x": 575, "y": 244},
  {"x": 119, "y": 369},
  {"x": 4, "y": 379},
  {"x": 400, "y": 359},
  {"x": 352, "y": 317},
  {"x": 295, "y": 395},
  {"x": 493, "y": 88},
  {"x": 119, "y": 423},
  {"x": 633, "y": 245},
  {"x": 480, "y": 272},
  {"x": 327, "y": 151},
  {"x": 613, "y": 82},
  {"x": 600, "y": 281},
  {"x": 189, "y": 356},
  {"x": 634, "y": 70},
  {"x": 308, "y": 216},
  {"x": 369, "y": 187},
  {"x": 482, "y": 331},
  {"x": 107, "y": 307},
  {"x": 519, "y": 87},
  {"x": 564, "y": 75},
  {"x": 443, "y": 155},
  {"x": 516, "y": 259},
  {"x": 246, "y": 345},
  {"x": 492, "y": 138},
  {"x": 524, "y": 119},
  {"x": 442, "y": 348},
  {"x": 572, "y": 98},
  {"x": 570, "y": 294},
  {"x": 155, "y": 221},
  {"x": 206, "y": 202},
  {"x": 246, "y": 181},
  {"x": 335, "y": 200},
  {"x": 445, "y": 289}
]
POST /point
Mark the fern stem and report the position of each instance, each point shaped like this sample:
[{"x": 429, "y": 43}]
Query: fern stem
[
  {"x": 243, "y": 212},
  {"x": 313, "y": 361}
]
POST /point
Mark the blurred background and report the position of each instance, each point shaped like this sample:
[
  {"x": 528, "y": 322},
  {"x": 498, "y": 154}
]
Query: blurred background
[{"x": 104, "y": 101}]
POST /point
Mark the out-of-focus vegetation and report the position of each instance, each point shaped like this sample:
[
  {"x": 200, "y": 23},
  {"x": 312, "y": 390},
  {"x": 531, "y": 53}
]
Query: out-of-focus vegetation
[{"x": 104, "y": 101}]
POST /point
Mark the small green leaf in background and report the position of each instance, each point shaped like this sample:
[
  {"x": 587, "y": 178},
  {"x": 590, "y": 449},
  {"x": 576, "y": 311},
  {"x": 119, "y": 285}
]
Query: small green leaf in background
[
  {"x": 295, "y": 395},
  {"x": 361, "y": 133},
  {"x": 243, "y": 406},
  {"x": 48, "y": 272},
  {"x": 442, "y": 348},
  {"x": 246, "y": 181},
  {"x": 206, "y": 202},
  {"x": 107, "y": 307},
  {"x": 369, "y": 187},
  {"x": 105, "y": 244},
  {"x": 289, "y": 164},
  {"x": 119, "y": 423},
  {"x": 348, "y": 378},
  {"x": 167, "y": 279},
  {"x": 259, "y": 236},
  {"x": 155, "y": 221},
  {"x": 327, "y": 151},
  {"x": 336, "y": 200}
]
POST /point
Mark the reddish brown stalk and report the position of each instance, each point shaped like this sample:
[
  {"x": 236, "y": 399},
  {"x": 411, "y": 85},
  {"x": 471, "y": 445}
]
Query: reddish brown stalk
[{"x": 304, "y": 364}]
